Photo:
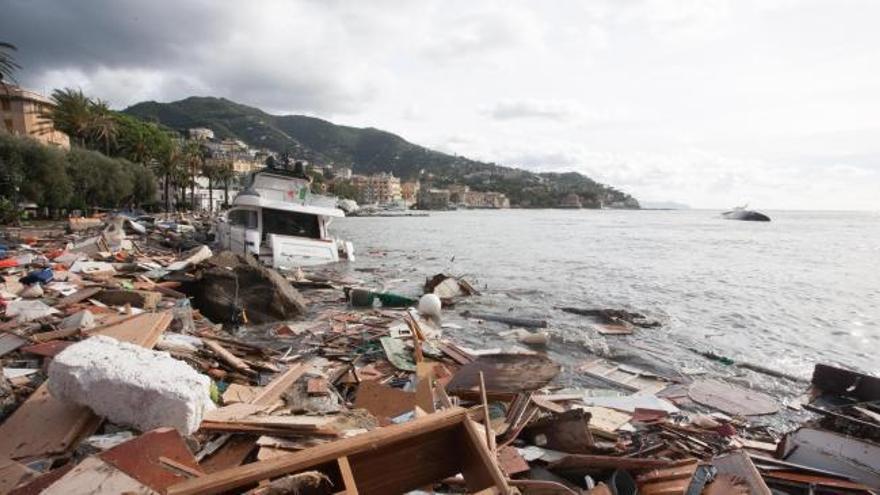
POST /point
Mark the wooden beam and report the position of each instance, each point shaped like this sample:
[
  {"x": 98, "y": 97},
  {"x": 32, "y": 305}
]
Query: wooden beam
[
  {"x": 247, "y": 474},
  {"x": 272, "y": 392},
  {"x": 347, "y": 476}
]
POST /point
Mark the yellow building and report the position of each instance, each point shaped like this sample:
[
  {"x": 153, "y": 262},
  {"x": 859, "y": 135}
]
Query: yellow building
[
  {"x": 21, "y": 113},
  {"x": 410, "y": 191},
  {"x": 379, "y": 189}
]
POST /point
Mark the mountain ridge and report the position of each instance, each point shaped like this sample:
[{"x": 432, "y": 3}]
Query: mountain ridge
[{"x": 370, "y": 150}]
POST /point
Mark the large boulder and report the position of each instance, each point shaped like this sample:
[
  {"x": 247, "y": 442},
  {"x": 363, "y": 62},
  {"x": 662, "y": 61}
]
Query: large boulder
[{"x": 229, "y": 283}]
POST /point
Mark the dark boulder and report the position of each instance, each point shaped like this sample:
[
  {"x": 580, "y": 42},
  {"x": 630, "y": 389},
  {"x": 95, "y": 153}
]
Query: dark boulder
[{"x": 228, "y": 283}]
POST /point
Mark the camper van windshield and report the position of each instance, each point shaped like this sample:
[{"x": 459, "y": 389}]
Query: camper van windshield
[{"x": 290, "y": 223}]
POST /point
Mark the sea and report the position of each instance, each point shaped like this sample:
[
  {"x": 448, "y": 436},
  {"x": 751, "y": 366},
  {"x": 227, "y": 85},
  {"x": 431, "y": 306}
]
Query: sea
[{"x": 784, "y": 295}]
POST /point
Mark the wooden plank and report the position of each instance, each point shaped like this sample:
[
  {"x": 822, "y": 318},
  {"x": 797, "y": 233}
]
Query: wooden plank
[
  {"x": 96, "y": 477},
  {"x": 383, "y": 401},
  {"x": 347, "y": 476},
  {"x": 13, "y": 473},
  {"x": 139, "y": 458},
  {"x": 78, "y": 296},
  {"x": 738, "y": 464},
  {"x": 230, "y": 358},
  {"x": 505, "y": 373},
  {"x": 230, "y": 479},
  {"x": 566, "y": 432},
  {"x": 577, "y": 462},
  {"x": 424, "y": 390},
  {"x": 230, "y": 455},
  {"x": 272, "y": 392},
  {"x": 44, "y": 426},
  {"x": 144, "y": 329},
  {"x": 730, "y": 399},
  {"x": 480, "y": 469}
]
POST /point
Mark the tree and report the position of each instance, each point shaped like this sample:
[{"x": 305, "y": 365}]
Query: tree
[
  {"x": 225, "y": 174},
  {"x": 8, "y": 66},
  {"x": 169, "y": 164},
  {"x": 194, "y": 158},
  {"x": 72, "y": 114},
  {"x": 103, "y": 128}
]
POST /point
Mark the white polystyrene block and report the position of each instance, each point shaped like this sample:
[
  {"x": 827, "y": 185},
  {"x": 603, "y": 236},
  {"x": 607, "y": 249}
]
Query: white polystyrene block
[{"x": 131, "y": 385}]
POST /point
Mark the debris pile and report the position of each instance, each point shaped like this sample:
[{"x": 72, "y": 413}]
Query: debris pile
[{"x": 119, "y": 377}]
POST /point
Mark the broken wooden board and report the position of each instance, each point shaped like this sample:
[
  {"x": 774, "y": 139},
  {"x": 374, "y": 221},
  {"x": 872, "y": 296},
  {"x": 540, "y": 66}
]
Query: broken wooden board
[
  {"x": 143, "y": 330},
  {"x": 230, "y": 454},
  {"x": 273, "y": 391},
  {"x": 616, "y": 328},
  {"x": 383, "y": 401},
  {"x": 674, "y": 479},
  {"x": 12, "y": 474},
  {"x": 622, "y": 376},
  {"x": 738, "y": 464},
  {"x": 831, "y": 451},
  {"x": 592, "y": 463},
  {"x": 78, "y": 296},
  {"x": 96, "y": 477},
  {"x": 237, "y": 393},
  {"x": 44, "y": 426},
  {"x": 504, "y": 374},
  {"x": 566, "y": 432},
  {"x": 605, "y": 422},
  {"x": 732, "y": 400},
  {"x": 394, "y": 459},
  {"x": 511, "y": 461},
  {"x": 141, "y": 457}
]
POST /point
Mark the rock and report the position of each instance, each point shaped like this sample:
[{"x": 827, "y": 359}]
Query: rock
[
  {"x": 33, "y": 291},
  {"x": 233, "y": 282},
  {"x": 131, "y": 385}
]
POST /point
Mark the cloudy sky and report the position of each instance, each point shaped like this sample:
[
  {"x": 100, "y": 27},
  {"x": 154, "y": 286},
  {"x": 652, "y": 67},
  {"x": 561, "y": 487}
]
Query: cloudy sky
[{"x": 706, "y": 102}]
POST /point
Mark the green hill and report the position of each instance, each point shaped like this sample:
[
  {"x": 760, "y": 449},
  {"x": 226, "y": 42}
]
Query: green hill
[{"x": 370, "y": 150}]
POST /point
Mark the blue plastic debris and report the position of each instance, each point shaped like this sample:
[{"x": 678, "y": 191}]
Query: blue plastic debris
[{"x": 42, "y": 277}]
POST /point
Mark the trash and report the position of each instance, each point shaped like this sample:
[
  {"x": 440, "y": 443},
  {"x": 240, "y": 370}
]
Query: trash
[
  {"x": 25, "y": 311},
  {"x": 191, "y": 258},
  {"x": 508, "y": 320},
  {"x": 130, "y": 385},
  {"x": 41, "y": 277},
  {"x": 32, "y": 291},
  {"x": 363, "y": 298},
  {"x": 568, "y": 431},
  {"x": 430, "y": 305},
  {"x": 448, "y": 287}
]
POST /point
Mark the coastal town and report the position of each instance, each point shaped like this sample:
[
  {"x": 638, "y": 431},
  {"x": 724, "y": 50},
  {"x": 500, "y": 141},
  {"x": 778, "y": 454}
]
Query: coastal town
[
  {"x": 179, "y": 314},
  {"x": 211, "y": 169}
]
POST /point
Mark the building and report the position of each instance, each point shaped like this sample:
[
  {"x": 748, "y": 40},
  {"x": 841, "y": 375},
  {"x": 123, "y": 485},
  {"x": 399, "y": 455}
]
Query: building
[
  {"x": 457, "y": 193},
  {"x": 571, "y": 201},
  {"x": 245, "y": 164},
  {"x": 382, "y": 189},
  {"x": 201, "y": 133},
  {"x": 22, "y": 113},
  {"x": 434, "y": 199},
  {"x": 343, "y": 173},
  {"x": 409, "y": 191},
  {"x": 489, "y": 199}
]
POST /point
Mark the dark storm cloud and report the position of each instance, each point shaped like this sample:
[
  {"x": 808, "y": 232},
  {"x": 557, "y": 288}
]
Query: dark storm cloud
[{"x": 177, "y": 47}]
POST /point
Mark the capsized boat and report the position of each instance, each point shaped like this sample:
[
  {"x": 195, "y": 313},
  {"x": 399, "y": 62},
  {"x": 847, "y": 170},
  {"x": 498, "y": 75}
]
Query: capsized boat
[
  {"x": 742, "y": 213},
  {"x": 279, "y": 220}
]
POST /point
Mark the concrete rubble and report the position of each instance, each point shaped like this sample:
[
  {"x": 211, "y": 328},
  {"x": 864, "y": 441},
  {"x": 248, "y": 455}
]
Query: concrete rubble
[
  {"x": 130, "y": 385},
  {"x": 150, "y": 364}
]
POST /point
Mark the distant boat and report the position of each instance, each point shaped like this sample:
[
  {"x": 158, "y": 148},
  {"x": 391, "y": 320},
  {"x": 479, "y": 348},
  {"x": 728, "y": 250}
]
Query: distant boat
[{"x": 741, "y": 213}]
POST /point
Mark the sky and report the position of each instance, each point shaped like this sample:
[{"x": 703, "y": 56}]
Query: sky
[{"x": 711, "y": 103}]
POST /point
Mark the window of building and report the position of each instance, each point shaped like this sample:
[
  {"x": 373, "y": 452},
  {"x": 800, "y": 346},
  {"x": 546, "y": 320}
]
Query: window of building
[
  {"x": 290, "y": 223},
  {"x": 8, "y": 124},
  {"x": 243, "y": 218},
  {"x": 6, "y": 104}
]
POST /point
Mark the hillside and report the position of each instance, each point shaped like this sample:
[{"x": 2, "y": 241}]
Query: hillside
[{"x": 370, "y": 150}]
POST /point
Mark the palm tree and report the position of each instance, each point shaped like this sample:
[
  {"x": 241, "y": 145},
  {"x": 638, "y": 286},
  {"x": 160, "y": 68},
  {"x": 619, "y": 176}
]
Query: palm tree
[
  {"x": 194, "y": 159},
  {"x": 169, "y": 162},
  {"x": 225, "y": 173},
  {"x": 72, "y": 113},
  {"x": 103, "y": 128},
  {"x": 7, "y": 62}
]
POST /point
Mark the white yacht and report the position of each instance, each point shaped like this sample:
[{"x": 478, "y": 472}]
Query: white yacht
[{"x": 277, "y": 219}]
